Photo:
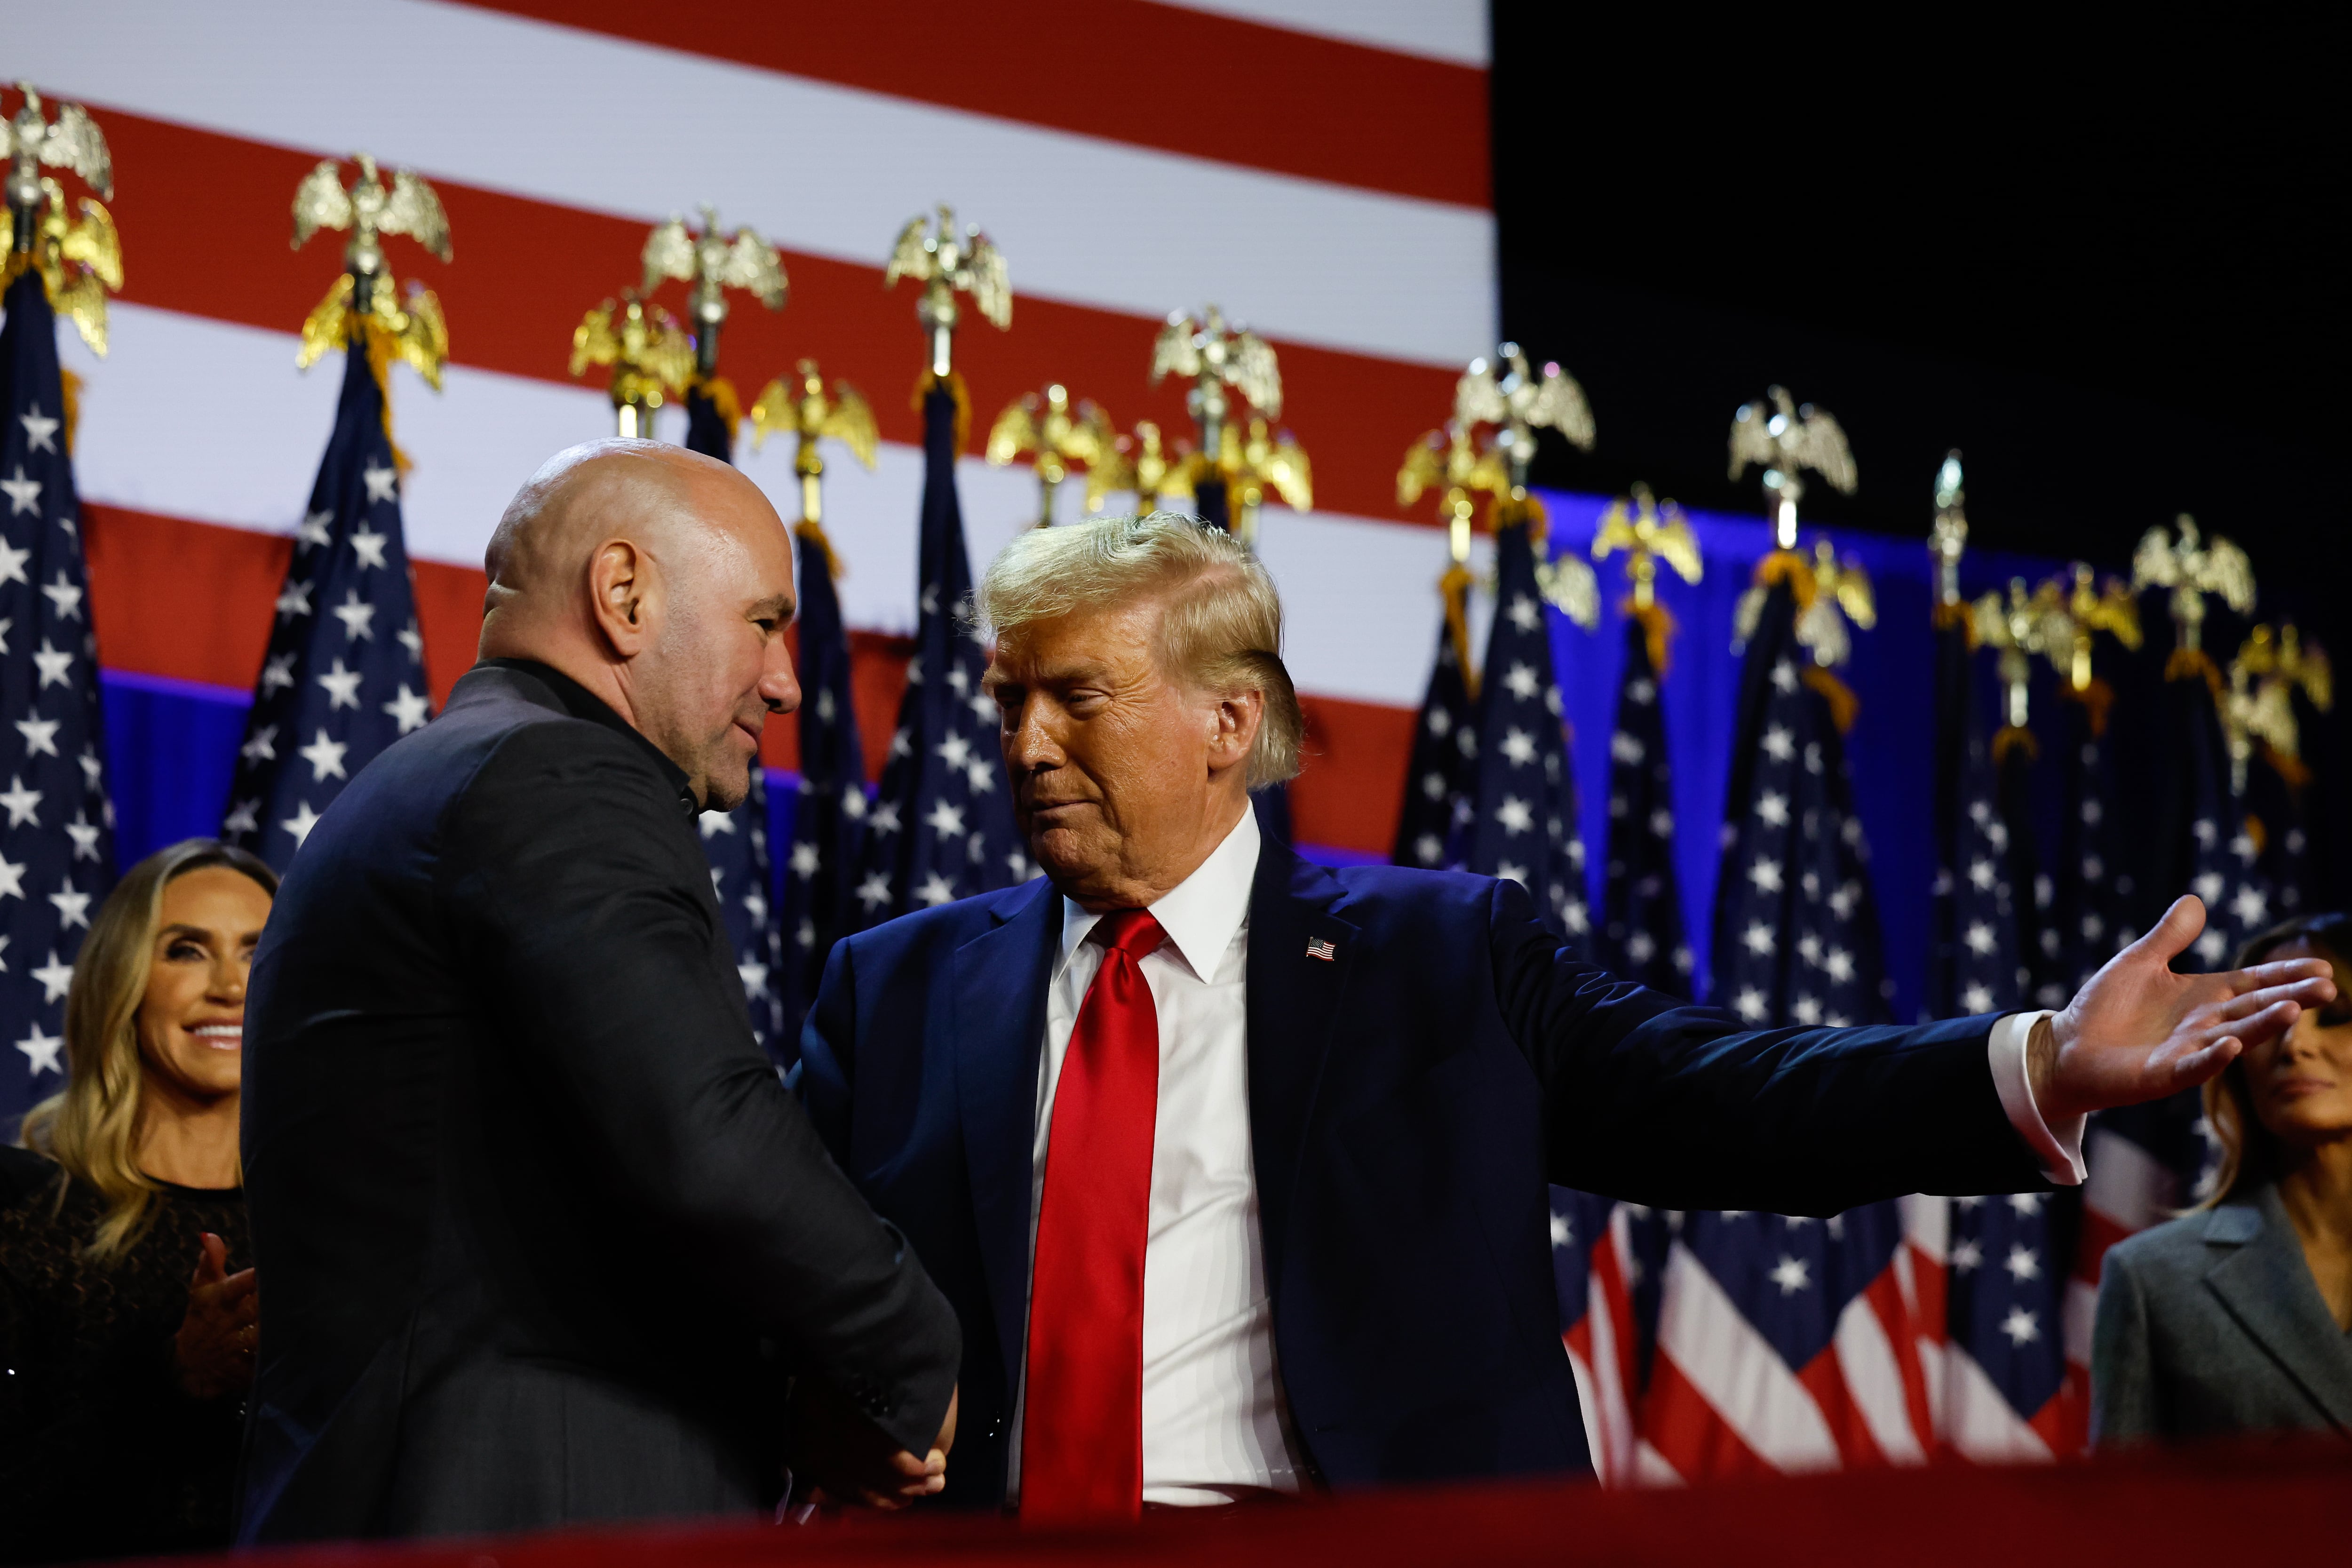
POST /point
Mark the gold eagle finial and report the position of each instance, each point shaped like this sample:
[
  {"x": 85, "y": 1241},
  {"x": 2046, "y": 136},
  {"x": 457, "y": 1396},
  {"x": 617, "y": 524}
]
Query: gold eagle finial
[
  {"x": 1782, "y": 439},
  {"x": 1056, "y": 436},
  {"x": 1138, "y": 462},
  {"x": 651, "y": 355},
  {"x": 1648, "y": 534},
  {"x": 1520, "y": 401},
  {"x": 708, "y": 264},
  {"x": 77, "y": 252},
  {"x": 798, "y": 403},
  {"x": 946, "y": 262},
  {"x": 365, "y": 300},
  {"x": 1214, "y": 357},
  {"x": 2192, "y": 567},
  {"x": 1450, "y": 458}
]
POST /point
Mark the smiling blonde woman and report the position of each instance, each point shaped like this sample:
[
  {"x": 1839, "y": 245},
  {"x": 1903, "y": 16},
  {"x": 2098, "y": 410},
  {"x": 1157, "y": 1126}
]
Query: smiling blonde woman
[{"x": 128, "y": 1317}]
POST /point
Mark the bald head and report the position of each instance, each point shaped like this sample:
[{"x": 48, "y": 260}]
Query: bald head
[{"x": 661, "y": 580}]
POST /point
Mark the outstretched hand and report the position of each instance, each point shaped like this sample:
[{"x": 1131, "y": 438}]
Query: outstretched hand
[
  {"x": 850, "y": 1460},
  {"x": 213, "y": 1352},
  {"x": 2137, "y": 1031}
]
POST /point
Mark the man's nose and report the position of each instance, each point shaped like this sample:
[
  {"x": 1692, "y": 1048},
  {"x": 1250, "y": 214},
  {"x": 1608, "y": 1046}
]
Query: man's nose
[
  {"x": 1029, "y": 747},
  {"x": 780, "y": 689}
]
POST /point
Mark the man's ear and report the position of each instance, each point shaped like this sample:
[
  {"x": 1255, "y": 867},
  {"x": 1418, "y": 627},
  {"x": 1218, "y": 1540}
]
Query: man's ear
[
  {"x": 1234, "y": 728},
  {"x": 620, "y": 595}
]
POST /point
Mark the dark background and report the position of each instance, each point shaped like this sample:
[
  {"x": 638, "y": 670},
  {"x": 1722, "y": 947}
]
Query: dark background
[{"x": 2105, "y": 262}]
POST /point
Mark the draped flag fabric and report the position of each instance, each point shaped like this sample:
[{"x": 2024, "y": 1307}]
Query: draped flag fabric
[
  {"x": 1593, "y": 1265},
  {"x": 344, "y": 674},
  {"x": 2091, "y": 889},
  {"x": 942, "y": 826},
  {"x": 1444, "y": 743},
  {"x": 736, "y": 842},
  {"x": 1641, "y": 919},
  {"x": 2006, "y": 1394},
  {"x": 1973, "y": 966},
  {"x": 2220, "y": 854},
  {"x": 57, "y": 845},
  {"x": 1522, "y": 820},
  {"x": 830, "y": 812}
]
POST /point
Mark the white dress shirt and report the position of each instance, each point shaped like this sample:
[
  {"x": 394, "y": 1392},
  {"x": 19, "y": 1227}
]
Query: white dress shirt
[{"x": 1213, "y": 1418}]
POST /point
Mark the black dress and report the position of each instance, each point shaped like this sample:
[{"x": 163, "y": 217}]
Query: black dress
[{"x": 101, "y": 1454}]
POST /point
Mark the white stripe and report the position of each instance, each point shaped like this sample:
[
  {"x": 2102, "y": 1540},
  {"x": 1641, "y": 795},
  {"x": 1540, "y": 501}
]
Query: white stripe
[
  {"x": 1737, "y": 1371},
  {"x": 1873, "y": 1380},
  {"x": 2126, "y": 1185},
  {"x": 641, "y": 132},
  {"x": 1981, "y": 1423},
  {"x": 1651, "y": 1469},
  {"x": 1450, "y": 30},
  {"x": 1926, "y": 1224},
  {"x": 209, "y": 421},
  {"x": 2079, "y": 1310},
  {"x": 1587, "y": 1406}
]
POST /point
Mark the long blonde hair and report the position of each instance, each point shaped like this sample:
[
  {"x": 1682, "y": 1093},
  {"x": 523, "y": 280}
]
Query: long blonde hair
[
  {"x": 2250, "y": 1153},
  {"x": 91, "y": 1127}
]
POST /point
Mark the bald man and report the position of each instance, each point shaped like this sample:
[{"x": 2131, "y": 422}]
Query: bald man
[{"x": 543, "y": 1237}]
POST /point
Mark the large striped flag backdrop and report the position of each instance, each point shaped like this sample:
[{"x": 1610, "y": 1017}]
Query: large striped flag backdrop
[{"x": 1368, "y": 262}]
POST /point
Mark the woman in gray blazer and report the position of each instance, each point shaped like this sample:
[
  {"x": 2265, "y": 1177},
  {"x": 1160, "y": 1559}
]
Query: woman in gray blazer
[{"x": 2237, "y": 1316}]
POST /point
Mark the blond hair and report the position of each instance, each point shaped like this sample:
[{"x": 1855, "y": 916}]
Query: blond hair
[
  {"x": 1221, "y": 629},
  {"x": 92, "y": 1126},
  {"x": 2248, "y": 1154}
]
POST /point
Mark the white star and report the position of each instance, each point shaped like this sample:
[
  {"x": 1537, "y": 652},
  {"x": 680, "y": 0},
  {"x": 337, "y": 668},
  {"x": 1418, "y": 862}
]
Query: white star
[
  {"x": 41, "y": 736},
  {"x": 242, "y": 820},
  {"x": 1980, "y": 875},
  {"x": 1561, "y": 1235},
  {"x": 1805, "y": 1010},
  {"x": 262, "y": 747},
  {"x": 42, "y": 1051},
  {"x": 278, "y": 672},
  {"x": 56, "y": 978},
  {"x": 936, "y": 889},
  {"x": 1433, "y": 785},
  {"x": 1791, "y": 1274},
  {"x": 1524, "y": 614},
  {"x": 1967, "y": 1253},
  {"x": 24, "y": 494},
  {"x": 713, "y": 823},
  {"x": 804, "y": 938},
  {"x": 300, "y": 822},
  {"x": 981, "y": 775},
  {"x": 1428, "y": 849},
  {"x": 12, "y": 563},
  {"x": 294, "y": 601},
  {"x": 1640, "y": 947},
  {"x": 73, "y": 906},
  {"x": 342, "y": 687},
  {"x": 413, "y": 641},
  {"x": 369, "y": 547},
  {"x": 1627, "y": 749},
  {"x": 1976, "y": 998},
  {"x": 1662, "y": 823},
  {"x": 755, "y": 904},
  {"x": 945, "y": 820},
  {"x": 1519, "y": 747},
  {"x": 1515, "y": 814},
  {"x": 6, "y": 622},
  {"x": 1773, "y": 809},
  {"x": 2022, "y": 1265},
  {"x": 1749, "y": 1004},
  {"x": 2020, "y": 1327},
  {"x": 12, "y": 878},
  {"x": 22, "y": 804},
  {"x": 1521, "y": 680},
  {"x": 312, "y": 530},
  {"x": 325, "y": 757},
  {"x": 1758, "y": 939},
  {"x": 955, "y": 751},
  {"x": 65, "y": 596},
  {"x": 381, "y": 483},
  {"x": 1640, "y": 692},
  {"x": 755, "y": 978},
  {"x": 84, "y": 834},
  {"x": 1778, "y": 744},
  {"x": 1766, "y": 875},
  {"x": 1839, "y": 965},
  {"x": 1507, "y": 872},
  {"x": 2027, "y": 1203},
  {"x": 853, "y": 801},
  {"x": 902, "y": 739},
  {"x": 885, "y": 817},
  {"x": 409, "y": 710},
  {"x": 715, "y": 875},
  {"x": 1979, "y": 937},
  {"x": 358, "y": 619},
  {"x": 805, "y": 860},
  {"x": 2251, "y": 910},
  {"x": 1784, "y": 677},
  {"x": 40, "y": 431},
  {"x": 875, "y": 891},
  {"x": 1440, "y": 721}
]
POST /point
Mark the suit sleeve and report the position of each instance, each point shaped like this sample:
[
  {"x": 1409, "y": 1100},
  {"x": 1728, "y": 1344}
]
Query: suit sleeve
[
  {"x": 2123, "y": 1363},
  {"x": 1663, "y": 1103},
  {"x": 827, "y": 1059},
  {"x": 586, "y": 909}
]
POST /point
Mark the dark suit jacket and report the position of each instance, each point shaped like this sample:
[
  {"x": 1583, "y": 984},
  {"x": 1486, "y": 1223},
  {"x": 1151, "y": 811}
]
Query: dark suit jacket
[
  {"x": 2211, "y": 1324},
  {"x": 534, "y": 1218},
  {"x": 1409, "y": 1099}
]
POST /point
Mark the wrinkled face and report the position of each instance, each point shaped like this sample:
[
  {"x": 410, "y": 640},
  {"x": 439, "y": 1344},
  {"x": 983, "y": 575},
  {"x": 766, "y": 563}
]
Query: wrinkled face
[
  {"x": 1111, "y": 761},
  {"x": 719, "y": 664},
  {"x": 2301, "y": 1083},
  {"x": 191, "y": 1022}
]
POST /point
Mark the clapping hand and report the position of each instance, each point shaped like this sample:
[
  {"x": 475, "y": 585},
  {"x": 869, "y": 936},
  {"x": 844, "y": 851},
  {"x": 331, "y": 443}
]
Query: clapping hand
[
  {"x": 213, "y": 1352},
  {"x": 2137, "y": 1031},
  {"x": 852, "y": 1461}
]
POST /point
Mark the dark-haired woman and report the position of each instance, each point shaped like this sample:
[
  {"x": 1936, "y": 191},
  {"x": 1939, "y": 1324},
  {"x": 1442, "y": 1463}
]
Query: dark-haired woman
[
  {"x": 2237, "y": 1316},
  {"x": 127, "y": 1310}
]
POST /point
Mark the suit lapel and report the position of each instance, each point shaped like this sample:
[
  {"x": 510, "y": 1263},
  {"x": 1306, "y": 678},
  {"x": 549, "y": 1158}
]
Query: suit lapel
[
  {"x": 1301, "y": 957},
  {"x": 1000, "y": 1020},
  {"x": 2266, "y": 1285}
]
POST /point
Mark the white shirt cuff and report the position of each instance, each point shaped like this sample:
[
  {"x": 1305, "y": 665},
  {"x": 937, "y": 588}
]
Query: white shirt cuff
[{"x": 2058, "y": 1149}]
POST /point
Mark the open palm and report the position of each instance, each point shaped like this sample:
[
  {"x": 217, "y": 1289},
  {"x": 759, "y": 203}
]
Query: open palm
[{"x": 2137, "y": 1031}]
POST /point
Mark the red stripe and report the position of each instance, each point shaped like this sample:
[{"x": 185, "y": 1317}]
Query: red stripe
[
  {"x": 2099, "y": 1233},
  {"x": 1824, "y": 1379},
  {"x": 206, "y": 233},
  {"x": 1610, "y": 1290},
  {"x": 1685, "y": 1429},
  {"x": 141, "y": 565},
  {"x": 1884, "y": 1297},
  {"x": 1153, "y": 75}
]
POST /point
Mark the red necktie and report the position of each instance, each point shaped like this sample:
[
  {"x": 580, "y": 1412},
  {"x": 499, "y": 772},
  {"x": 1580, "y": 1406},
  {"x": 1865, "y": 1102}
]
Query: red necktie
[{"x": 1082, "y": 1429}]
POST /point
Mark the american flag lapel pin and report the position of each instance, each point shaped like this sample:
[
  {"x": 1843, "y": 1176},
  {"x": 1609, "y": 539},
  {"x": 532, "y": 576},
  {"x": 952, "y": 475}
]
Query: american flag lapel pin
[{"x": 1320, "y": 947}]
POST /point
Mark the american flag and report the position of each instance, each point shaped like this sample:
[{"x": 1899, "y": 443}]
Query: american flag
[
  {"x": 1972, "y": 966},
  {"x": 736, "y": 841},
  {"x": 1594, "y": 1268},
  {"x": 2091, "y": 888},
  {"x": 2033, "y": 891},
  {"x": 1642, "y": 923},
  {"x": 2007, "y": 1396},
  {"x": 343, "y": 677},
  {"x": 1444, "y": 743},
  {"x": 941, "y": 825},
  {"x": 1522, "y": 822},
  {"x": 830, "y": 813},
  {"x": 2220, "y": 853},
  {"x": 56, "y": 848}
]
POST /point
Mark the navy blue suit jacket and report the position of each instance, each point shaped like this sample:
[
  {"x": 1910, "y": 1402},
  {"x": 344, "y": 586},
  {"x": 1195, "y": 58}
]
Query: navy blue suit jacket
[{"x": 1410, "y": 1099}]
